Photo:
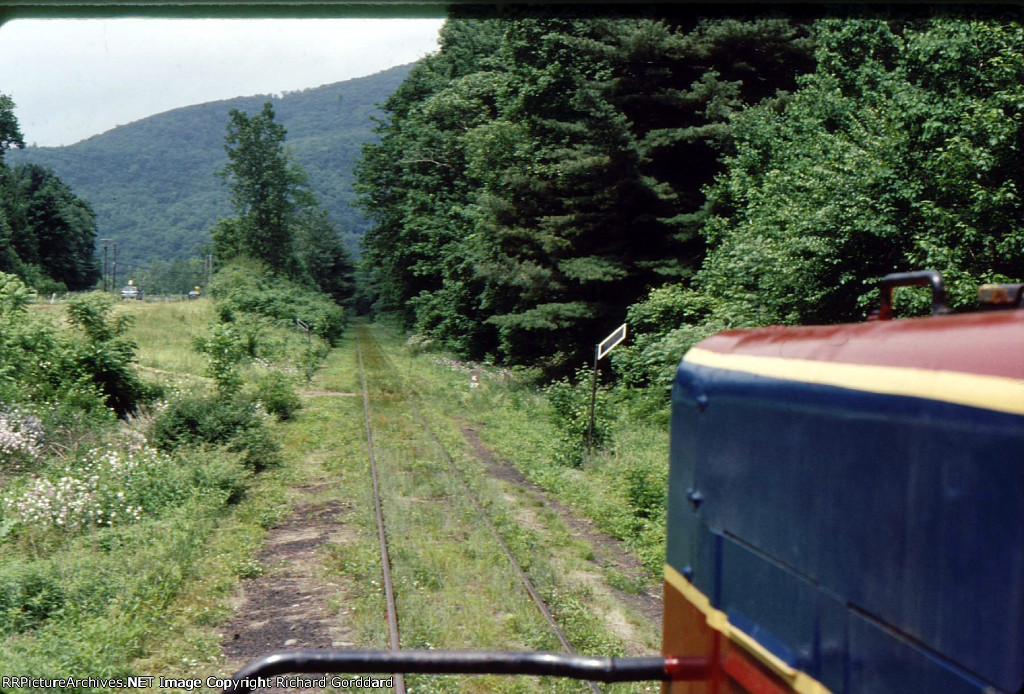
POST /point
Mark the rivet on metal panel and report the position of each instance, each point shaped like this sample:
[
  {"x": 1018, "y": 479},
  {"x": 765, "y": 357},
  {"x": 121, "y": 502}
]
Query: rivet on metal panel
[
  {"x": 688, "y": 573},
  {"x": 695, "y": 498}
]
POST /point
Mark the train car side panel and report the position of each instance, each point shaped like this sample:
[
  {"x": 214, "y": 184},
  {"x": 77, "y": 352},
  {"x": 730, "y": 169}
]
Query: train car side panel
[{"x": 851, "y": 499}]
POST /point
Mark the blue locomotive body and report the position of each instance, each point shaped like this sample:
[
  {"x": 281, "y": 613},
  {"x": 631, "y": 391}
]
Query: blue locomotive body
[{"x": 846, "y": 508}]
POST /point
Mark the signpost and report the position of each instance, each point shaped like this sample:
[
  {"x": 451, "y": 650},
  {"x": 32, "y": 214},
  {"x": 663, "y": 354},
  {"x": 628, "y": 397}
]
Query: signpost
[
  {"x": 607, "y": 345},
  {"x": 302, "y": 325}
]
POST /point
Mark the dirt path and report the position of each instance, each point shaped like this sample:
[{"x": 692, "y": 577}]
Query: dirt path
[{"x": 290, "y": 604}]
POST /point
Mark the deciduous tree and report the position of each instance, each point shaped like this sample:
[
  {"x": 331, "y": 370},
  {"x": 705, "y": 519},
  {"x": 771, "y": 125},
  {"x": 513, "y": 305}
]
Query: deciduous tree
[{"x": 267, "y": 190}]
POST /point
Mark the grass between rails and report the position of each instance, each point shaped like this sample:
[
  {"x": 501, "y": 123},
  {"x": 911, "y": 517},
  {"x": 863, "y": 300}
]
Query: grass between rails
[
  {"x": 621, "y": 488},
  {"x": 428, "y": 500},
  {"x": 453, "y": 587}
]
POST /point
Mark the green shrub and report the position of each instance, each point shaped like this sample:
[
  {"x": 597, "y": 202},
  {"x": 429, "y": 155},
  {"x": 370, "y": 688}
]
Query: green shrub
[
  {"x": 276, "y": 393},
  {"x": 218, "y": 469},
  {"x": 219, "y": 421},
  {"x": 30, "y": 593},
  {"x": 89, "y": 369},
  {"x": 309, "y": 360},
  {"x": 253, "y": 289},
  {"x": 106, "y": 357},
  {"x": 225, "y": 349},
  {"x": 647, "y": 487},
  {"x": 259, "y": 450}
]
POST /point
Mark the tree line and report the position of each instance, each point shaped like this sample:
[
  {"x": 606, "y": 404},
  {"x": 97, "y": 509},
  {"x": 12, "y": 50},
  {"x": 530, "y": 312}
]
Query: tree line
[
  {"x": 541, "y": 179},
  {"x": 47, "y": 233}
]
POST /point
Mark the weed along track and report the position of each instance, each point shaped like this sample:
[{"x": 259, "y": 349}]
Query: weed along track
[
  {"x": 531, "y": 591},
  {"x": 400, "y": 538},
  {"x": 459, "y": 570},
  {"x": 385, "y": 560}
]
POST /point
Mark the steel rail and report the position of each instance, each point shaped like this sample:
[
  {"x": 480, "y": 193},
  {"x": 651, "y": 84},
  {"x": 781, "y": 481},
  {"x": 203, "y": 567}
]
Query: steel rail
[
  {"x": 258, "y": 673},
  {"x": 531, "y": 590},
  {"x": 389, "y": 592}
]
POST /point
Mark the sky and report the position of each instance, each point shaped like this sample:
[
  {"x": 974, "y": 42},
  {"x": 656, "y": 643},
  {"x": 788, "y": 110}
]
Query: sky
[{"x": 72, "y": 79}]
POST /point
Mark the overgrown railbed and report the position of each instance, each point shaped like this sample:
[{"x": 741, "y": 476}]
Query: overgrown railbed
[
  {"x": 163, "y": 512},
  {"x": 620, "y": 483},
  {"x": 127, "y": 511}
]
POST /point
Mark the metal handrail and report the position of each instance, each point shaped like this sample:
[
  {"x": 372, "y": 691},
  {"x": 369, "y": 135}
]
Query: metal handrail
[{"x": 580, "y": 667}]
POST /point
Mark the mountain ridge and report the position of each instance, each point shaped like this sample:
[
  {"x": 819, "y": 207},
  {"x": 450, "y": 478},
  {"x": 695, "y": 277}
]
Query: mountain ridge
[{"x": 153, "y": 183}]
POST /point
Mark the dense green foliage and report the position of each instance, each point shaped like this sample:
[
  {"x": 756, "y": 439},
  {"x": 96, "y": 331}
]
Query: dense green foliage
[
  {"x": 901, "y": 151},
  {"x": 87, "y": 370},
  {"x": 217, "y": 421},
  {"x": 526, "y": 188},
  {"x": 106, "y": 355},
  {"x": 151, "y": 182},
  {"x": 278, "y": 226},
  {"x": 249, "y": 288},
  {"x": 570, "y": 402},
  {"x": 46, "y": 231}
]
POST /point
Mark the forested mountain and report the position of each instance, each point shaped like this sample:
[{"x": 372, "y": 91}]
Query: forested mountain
[{"x": 152, "y": 183}]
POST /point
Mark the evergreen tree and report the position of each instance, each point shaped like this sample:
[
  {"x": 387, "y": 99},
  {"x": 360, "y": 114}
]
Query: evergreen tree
[
  {"x": 47, "y": 233},
  {"x": 59, "y": 229},
  {"x": 538, "y": 175},
  {"x": 621, "y": 125},
  {"x": 322, "y": 254},
  {"x": 419, "y": 187}
]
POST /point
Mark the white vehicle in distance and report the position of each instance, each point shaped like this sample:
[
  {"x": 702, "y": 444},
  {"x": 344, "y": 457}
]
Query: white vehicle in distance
[{"x": 131, "y": 292}]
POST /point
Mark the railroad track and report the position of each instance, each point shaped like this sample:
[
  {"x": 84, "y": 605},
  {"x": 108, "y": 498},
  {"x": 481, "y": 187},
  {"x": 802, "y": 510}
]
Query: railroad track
[
  {"x": 385, "y": 560},
  {"x": 362, "y": 335}
]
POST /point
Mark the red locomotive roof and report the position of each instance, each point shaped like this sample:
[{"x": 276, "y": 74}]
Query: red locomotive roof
[{"x": 989, "y": 344}]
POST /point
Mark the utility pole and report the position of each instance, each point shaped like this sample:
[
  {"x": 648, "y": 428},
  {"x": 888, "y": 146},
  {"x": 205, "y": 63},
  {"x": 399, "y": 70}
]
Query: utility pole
[{"x": 105, "y": 266}]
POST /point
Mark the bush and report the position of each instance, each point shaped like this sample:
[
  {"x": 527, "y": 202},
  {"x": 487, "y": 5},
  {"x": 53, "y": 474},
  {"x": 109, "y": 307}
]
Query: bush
[
  {"x": 253, "y": 289},
  {"x": 220, "y": 470},
  {"x": 106, "y": 357},
  {"x": 225, "y": 349},
  {"x": 88, "y": 372},
  {"x": 277, "y": 395},
  {"x": 231, "y": 422},
  {"x": 29, "y": 594}
]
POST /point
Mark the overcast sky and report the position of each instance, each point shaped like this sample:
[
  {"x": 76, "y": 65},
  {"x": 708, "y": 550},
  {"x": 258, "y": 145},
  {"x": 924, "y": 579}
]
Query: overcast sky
[{"x": 71, "y": 79}]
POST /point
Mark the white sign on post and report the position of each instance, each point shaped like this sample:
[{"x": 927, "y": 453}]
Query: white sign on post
[{"x": 609, "y": 343}]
